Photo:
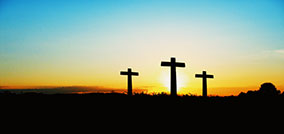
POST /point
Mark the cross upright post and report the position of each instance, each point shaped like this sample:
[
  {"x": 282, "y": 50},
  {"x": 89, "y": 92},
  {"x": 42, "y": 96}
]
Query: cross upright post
[
  {"x": 129, "y": 74},
  {"x": 204, "y": 77},
  {"x": 173, "y": 64}
]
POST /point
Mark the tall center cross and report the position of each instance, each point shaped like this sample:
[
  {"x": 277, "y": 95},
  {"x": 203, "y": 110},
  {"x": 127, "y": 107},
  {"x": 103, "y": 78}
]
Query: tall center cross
[
  {"x": 173, "y": 64},
  {"x": 129, "y": 73}
]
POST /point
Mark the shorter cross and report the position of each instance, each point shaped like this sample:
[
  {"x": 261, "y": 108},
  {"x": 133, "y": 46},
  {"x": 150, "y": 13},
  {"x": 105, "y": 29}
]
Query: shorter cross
[
  {"x": 129, "y": 73},
  {"x": 204, "y": 77}
]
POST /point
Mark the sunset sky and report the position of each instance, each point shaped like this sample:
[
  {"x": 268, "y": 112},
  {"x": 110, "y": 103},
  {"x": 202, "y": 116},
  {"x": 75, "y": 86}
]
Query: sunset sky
[{"x": 88, "y": 43}]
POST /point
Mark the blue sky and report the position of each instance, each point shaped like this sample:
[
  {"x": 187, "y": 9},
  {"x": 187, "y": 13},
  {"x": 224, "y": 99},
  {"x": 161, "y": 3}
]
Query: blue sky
[
  {"x": 55, "y": 18},
  {"x": 45, "y": 37}
]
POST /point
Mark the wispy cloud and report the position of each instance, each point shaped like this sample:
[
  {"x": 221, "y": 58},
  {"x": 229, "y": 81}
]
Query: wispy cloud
[{"x": 279, "y": 52}]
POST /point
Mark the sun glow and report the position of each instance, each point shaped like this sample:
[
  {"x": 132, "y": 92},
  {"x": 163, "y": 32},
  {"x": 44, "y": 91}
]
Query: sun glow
[{"x": 182, "y": 81}]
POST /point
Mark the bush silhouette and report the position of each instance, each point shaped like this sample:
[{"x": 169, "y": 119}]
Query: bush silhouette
[
  {"x": 268, "y": 89},
  {"x": 265, "y": 90}
]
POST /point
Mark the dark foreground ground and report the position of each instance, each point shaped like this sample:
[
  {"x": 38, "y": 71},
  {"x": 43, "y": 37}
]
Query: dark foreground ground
[
  {"x": 119, "y": 101},
  {"x": 140, "y": 112}
]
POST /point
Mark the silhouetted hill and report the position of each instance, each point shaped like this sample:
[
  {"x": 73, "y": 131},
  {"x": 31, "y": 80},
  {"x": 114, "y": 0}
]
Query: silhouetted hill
[
  {"x": 137, "y": 100},
  {"x": 162, "y": 106},
  {"x": 107, "y": 108},
  {"x": 63, "y": 90}
]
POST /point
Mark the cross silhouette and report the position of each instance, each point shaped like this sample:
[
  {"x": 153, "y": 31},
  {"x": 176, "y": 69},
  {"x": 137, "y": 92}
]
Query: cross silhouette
[
  {"x": 204, "y": 77},
  {"x": 129, "y": 73},
  {"x": 173, "y": 64}
]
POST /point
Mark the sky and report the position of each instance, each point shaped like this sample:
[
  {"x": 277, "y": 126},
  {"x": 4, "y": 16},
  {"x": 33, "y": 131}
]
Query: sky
[{"x": 88, "y": 43}]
